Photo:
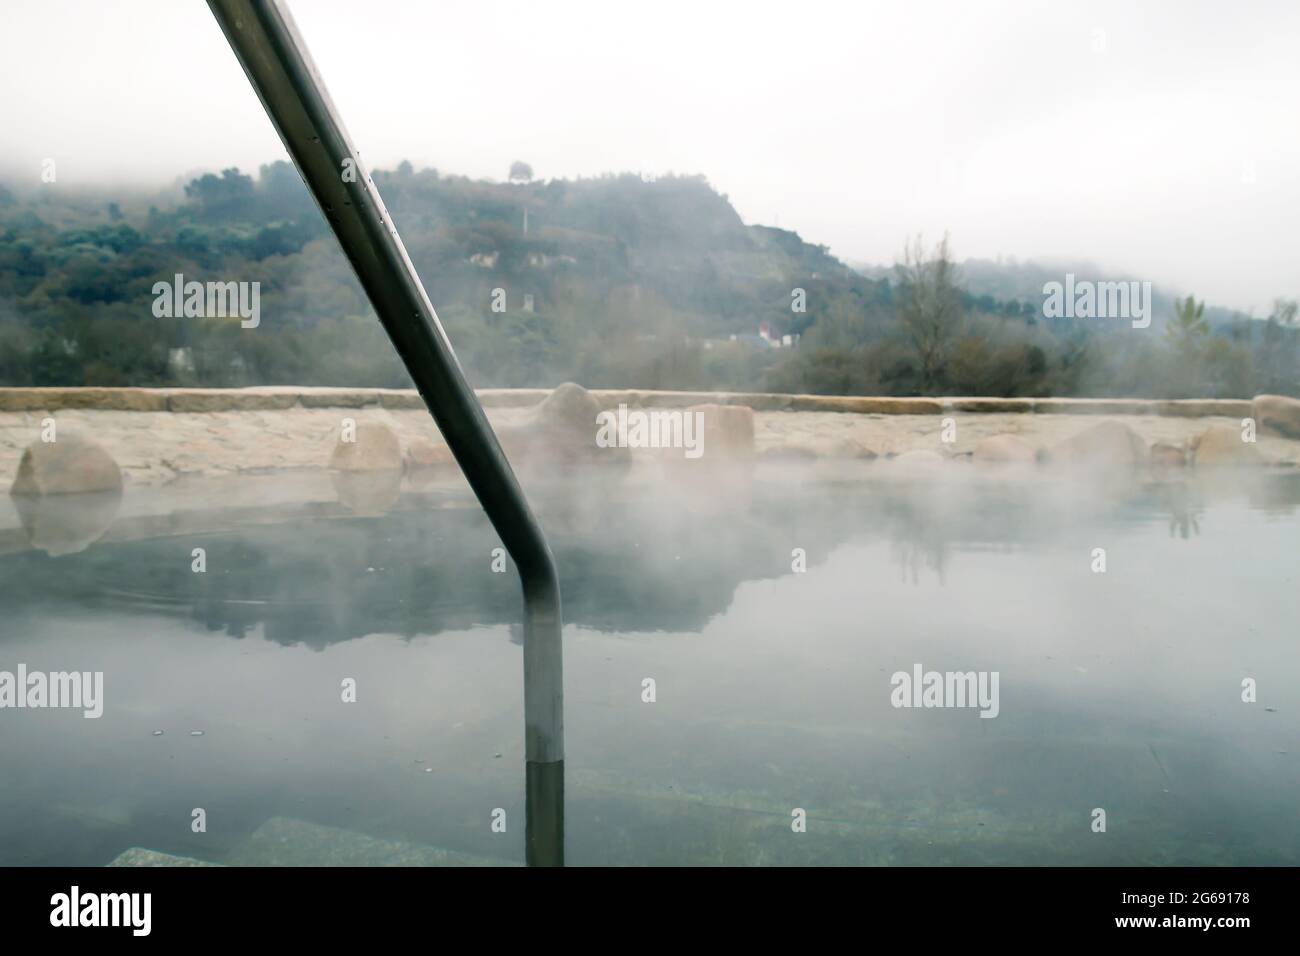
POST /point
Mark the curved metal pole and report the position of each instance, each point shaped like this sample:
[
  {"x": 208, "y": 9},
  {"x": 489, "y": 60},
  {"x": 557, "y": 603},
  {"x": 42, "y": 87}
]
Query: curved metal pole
[{"x": 266, "y": 41}]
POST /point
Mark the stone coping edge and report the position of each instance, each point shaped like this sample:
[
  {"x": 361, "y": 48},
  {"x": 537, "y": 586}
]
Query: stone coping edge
[{"x": 278, "y": 398}]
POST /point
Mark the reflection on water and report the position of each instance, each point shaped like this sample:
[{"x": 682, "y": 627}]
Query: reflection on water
[
  {"x": 67, "y": 524},
  {"x": 1184, "y": 510},
  {"x": 1119, "y": 690}
]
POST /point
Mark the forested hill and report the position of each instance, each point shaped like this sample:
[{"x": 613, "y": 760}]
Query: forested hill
[
  {"x": 1009, "y": 280},
  {"x": 612, "y": 282},
  {"x": 611, "y": 264}
]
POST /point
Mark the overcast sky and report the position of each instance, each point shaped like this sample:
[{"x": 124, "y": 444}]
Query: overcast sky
[{"x": 1156, "y": 139}]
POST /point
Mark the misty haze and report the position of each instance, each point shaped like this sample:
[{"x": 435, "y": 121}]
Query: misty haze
[{"x": 685, "y": 435}]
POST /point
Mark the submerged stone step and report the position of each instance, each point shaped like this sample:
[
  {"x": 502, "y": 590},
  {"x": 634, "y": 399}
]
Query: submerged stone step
[
  {"x": 284, "y": 841},
  {"x": 623, "y": 817},
  {"x": 139, "y": 856}
]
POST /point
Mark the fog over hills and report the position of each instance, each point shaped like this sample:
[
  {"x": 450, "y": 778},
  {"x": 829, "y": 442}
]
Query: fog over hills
[
  {"x": 617, "y": 280},
  {"x": 1007, "y": 279}
]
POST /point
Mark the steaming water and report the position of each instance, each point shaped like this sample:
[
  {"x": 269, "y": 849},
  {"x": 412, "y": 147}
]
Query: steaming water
[{"x": 1119, "y": 690}]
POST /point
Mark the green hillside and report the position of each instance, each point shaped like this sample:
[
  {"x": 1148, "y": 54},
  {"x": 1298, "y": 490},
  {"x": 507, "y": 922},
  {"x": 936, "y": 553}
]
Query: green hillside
[{"x": 610, "y": 281}]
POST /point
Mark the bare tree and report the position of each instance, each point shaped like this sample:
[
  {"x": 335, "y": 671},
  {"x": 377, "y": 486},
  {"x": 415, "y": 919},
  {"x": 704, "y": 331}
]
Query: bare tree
[
  {"x": 929, "y": 305},
  {"x": 1277, "y": 364}
]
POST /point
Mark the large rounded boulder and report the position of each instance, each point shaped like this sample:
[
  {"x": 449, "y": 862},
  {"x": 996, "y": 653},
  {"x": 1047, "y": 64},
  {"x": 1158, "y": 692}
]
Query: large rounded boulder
[
  {"x": 1004, "y": 450},
  {"x": 72, "y": 464},
  {"x": 1225, "y": 445},
  {"x": 1110, "y": 445},
  {"x": 366, "y": 446},
  {"x": 560, "y": 431},
  {"x": 1279, "y": 413},
  {"x": 728, "y": 431}
]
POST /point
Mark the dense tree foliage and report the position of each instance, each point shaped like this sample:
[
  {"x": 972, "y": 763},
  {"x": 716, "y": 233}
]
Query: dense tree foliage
[{"x": 612, "y": 281}]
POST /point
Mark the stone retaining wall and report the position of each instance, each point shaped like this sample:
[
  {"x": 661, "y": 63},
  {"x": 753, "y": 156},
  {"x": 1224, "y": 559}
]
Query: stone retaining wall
[
  {"x": 279, "y": 398},
  {"x": 157, "y": 436}
]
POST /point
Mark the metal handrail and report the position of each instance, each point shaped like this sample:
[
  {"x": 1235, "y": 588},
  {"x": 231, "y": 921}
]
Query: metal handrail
[{"x": 272, "y": 52}]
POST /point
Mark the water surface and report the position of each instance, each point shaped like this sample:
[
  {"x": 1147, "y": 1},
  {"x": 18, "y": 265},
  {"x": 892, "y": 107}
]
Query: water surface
[{"x": 1118, "y": 690}]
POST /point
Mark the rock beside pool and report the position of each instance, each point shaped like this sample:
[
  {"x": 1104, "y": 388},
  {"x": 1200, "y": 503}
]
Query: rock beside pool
[
  {"x": 695, "y": 438},
  {"x": 1107, "y": 444},
  {"x": 567, "y": 427},
  {"x": 73, "y": 464},
  {"x": 569, "y": 409},
  {"x": 715, "y": 475},
  {"x": 1165, "y": 455},
  {"x": 728, "y": 431},
  {"x": 1223, "y": 445},
  {"x": 846, "y": 448},
  {"x": 1004, "y": 449},
  {"x": 1279, "y": 413},
  {"x": 370, "y": 446},
  {"x": 560, "y": 430},
  {"x": 427, "y": 454}
]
